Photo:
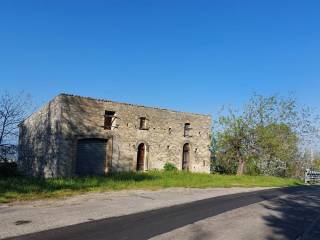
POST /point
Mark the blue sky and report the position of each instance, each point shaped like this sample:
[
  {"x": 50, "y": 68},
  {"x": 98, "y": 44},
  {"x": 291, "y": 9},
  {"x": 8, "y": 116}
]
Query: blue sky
[{"x": 186, "y": 55}]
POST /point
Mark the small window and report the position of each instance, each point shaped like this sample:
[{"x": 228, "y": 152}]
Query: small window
[
  {"x": 108, "y": 119},
  {"x": 144, "y": 123},
  {"x": 187, "y": 129}
]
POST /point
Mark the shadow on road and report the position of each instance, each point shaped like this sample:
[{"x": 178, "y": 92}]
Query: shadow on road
[{"x": 292, "y": 215}]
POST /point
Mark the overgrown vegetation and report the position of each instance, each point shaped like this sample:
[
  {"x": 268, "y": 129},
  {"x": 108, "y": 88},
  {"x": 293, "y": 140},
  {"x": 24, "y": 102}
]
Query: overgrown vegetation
[
  {"x": 170, "y": 167},
  {"x": 22, "y": 188},
  {"x": 268, "y": 136}
]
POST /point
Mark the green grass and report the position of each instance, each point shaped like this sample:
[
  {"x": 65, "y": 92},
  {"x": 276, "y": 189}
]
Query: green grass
[{"x": 22, "y": 188}]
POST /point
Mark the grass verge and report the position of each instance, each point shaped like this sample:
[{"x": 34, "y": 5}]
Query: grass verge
[{"x": 23, "y": 188}]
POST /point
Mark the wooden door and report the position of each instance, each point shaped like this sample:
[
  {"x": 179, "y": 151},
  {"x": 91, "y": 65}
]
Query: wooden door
[
  {"x": 140, "y": 157},
  {"x": 186, "y": 157}
]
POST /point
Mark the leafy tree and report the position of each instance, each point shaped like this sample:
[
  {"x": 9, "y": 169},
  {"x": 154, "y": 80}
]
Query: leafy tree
[
  {"x": 265, "y": 137},
  {"x": 277, "y": 148},
  {"x": 316, "y": 161},
  {"x": 233, "y": 143}
]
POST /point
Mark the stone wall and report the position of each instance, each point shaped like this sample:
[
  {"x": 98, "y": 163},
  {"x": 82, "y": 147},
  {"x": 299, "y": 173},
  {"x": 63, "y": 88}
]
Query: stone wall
[
  {"x": 39, "y": 137},
  {"x": 73, "y": 118}
]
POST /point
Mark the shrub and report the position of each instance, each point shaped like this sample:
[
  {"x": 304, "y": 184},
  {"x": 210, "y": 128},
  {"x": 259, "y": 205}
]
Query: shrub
[{"x": 170, "y": 167}]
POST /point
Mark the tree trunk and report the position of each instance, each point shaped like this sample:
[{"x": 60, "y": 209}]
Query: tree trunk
[{"x": 240, "y": 167}]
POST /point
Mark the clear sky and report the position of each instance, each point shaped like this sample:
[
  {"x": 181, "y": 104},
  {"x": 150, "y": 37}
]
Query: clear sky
[{"x": 186, "y": 55}]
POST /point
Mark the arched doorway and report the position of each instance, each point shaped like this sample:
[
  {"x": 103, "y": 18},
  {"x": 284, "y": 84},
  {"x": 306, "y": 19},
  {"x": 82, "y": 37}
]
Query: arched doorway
[
  {"x": 140, "y": 157},
  {"x": 186, "y": 157}
]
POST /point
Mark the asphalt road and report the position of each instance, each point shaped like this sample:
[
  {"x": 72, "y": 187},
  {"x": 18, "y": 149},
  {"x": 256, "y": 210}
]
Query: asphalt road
[{"x": 145, "y": 225}]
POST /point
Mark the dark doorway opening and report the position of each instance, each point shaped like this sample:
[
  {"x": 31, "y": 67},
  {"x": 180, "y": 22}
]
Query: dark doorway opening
[
  {"x": 140, "y": 157},
  {"x": 91, "y": 156},
  {"x": 186, "y": 157}
]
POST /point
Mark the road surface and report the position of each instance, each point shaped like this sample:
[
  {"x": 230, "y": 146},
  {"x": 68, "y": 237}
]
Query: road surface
[{"x": 288, "y": 213}]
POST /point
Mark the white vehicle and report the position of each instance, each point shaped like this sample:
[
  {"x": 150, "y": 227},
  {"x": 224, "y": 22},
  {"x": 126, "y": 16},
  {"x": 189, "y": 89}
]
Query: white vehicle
[{"x": 311, "y": 176}]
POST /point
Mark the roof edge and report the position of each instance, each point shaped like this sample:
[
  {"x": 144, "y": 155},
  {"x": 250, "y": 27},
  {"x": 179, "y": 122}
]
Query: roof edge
[
  {"x": 130, "y": 104},
  {"x": 38, "y": 110}
]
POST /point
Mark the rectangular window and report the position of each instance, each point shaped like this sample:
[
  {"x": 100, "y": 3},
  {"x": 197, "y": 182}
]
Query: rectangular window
[
  {"x": 187, "y": 129},
  {"x": 143, "y": 123},
  {"x": 108, "y": 119}
]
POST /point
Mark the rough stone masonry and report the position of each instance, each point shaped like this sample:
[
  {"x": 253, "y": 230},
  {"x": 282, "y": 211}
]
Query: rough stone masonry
[{"x": 74, "y": 135}]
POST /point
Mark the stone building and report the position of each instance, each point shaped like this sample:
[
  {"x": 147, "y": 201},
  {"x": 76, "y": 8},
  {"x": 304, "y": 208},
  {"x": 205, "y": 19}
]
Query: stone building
[{"x": 73, "y": 135}]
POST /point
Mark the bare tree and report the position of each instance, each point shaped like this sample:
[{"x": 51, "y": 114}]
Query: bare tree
[{"x": 13, "y": 110}]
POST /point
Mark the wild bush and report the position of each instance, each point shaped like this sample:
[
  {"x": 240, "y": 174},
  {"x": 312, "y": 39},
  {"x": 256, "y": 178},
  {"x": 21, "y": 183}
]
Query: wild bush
[{"x": 170, "y": 167}]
